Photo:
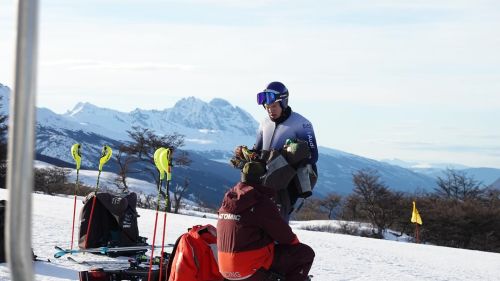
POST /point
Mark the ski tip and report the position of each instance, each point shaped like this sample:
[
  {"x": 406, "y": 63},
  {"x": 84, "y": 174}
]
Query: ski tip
[
  {"x": 104, "y": 250},
  {"x": 59, "y": 254}
]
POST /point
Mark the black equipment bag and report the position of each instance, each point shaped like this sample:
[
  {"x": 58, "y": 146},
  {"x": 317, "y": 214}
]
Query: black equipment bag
[
  {"x": 114, "y": 221},
  {"x": 3, "y": 211},
  {"x": 133, "y": 274}
]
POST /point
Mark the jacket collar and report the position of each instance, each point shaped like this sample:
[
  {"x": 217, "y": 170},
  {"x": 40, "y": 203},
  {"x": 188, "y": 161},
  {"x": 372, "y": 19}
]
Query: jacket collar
[{"x": 284, "y": 115}]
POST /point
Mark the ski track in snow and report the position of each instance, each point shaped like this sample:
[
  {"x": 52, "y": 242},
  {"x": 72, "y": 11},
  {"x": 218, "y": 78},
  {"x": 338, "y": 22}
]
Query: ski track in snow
[{"x": 338, "y": 257}]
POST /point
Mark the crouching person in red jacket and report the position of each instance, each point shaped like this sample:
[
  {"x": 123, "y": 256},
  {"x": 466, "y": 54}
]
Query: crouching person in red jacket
[{"x": 253, "y": 240}]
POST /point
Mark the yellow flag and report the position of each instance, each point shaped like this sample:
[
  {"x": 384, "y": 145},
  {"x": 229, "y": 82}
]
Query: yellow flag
[{"x": 415, "y": 216}]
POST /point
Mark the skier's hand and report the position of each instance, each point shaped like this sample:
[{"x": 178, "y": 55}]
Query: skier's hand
[
  {"x": 237, "y": 163},
  {"x": 242, "y": 155},
  {"x": 238, "y": 159}
]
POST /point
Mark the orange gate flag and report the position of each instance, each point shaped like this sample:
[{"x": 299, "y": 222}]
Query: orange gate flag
[{"x": 415, "y": 216}]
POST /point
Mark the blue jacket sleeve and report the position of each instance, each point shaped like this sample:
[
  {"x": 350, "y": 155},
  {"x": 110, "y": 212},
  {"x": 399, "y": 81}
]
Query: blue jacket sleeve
[{"x": 307, "y": 133}]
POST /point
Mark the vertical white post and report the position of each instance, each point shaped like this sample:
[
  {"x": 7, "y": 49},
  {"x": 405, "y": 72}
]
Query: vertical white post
[{"x": 21, "y": 144}]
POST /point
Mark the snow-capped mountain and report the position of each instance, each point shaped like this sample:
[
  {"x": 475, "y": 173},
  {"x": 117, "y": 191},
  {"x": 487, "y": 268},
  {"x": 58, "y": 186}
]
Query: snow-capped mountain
[
  {"x": 424, "y": 165},
  {"x": 337, "y": 167},
  {"x": 483, "y": 174},
  {"x": 213, "y": 126},
  {"x": 211, "y": 129},
  {"x": 216, "y": 125},
  {"x": 217, "y": 115}
]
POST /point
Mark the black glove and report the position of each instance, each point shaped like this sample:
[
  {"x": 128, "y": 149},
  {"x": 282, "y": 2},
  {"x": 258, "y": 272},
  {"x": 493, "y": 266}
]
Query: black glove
[{"x": 297, "y": 152}]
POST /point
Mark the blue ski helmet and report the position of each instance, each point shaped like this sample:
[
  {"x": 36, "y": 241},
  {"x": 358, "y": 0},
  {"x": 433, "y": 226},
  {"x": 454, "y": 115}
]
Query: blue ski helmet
[{"x": 277, "y": 91}]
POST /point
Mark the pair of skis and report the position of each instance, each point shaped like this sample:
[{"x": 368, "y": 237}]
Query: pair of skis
[
  {"x": 77, "y": 156},
  {"x": 136, "y": 261},
  {"x": 104, "y": 250},
  {"x": 162, "y": 159},
  {"x": 99, "y": 250}
]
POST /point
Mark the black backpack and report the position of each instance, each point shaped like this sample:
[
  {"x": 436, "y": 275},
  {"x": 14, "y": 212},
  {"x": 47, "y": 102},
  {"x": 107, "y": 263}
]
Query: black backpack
[
  {"x": 114, "y": 221},
  {"x": 3, "y": 211}
]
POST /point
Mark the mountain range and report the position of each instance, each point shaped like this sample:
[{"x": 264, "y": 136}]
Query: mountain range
[
  {"x": 484, "y": 175},
  {"x": 212, "y": 130}
]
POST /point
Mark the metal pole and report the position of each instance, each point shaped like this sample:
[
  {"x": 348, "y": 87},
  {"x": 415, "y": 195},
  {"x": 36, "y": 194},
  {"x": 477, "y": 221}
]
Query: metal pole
[{"x": 21, "y": 142}]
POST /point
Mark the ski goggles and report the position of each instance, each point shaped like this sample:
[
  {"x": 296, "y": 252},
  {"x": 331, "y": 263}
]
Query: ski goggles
[{"x": 270, "y": 96}]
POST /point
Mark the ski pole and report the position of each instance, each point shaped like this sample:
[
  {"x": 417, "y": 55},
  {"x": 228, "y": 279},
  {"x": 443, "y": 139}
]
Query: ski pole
[
  {"x": 105, "y": 156},
  {"x": 166, "y": 165},
  {"x": 77, "y": 155},
  {"x": 156, "y": 158}
]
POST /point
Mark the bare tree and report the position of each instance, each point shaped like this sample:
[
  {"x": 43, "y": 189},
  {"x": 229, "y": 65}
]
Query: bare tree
[
  {"x": 311, "y": 210},
  {"x": 350, "y": 208},
  {"x": 379, "y": 204},
  {"x": 330, "y": 203},
  {"x": 458, "y": 185},
  {"x": 146, "y": 201},
  {"x": 125, "y": 160},
  {"x": 139, "y": 144},
  {"x": 179, "y": 193},
  {"x": 141, "y": 150},
  {"x": 51, "y": 180}
]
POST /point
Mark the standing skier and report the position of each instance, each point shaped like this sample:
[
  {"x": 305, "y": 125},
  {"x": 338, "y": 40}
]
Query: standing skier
[
  {"x": 283, "y": 124},
  {"x": 254, "y": 242}
]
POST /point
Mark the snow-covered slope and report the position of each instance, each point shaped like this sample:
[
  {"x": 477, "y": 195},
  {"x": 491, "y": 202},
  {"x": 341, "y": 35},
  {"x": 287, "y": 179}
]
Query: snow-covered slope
[
  {"x": 338, "y": 257},
  {"x": 496, "y": 184}
]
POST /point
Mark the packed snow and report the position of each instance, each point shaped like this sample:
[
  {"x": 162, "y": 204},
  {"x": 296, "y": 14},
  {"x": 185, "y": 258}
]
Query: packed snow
[{"x": 338, "y": 257}]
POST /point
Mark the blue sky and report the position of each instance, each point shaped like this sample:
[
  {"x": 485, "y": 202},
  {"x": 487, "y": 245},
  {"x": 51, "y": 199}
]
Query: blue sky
[{"x": 414, "y": 80}]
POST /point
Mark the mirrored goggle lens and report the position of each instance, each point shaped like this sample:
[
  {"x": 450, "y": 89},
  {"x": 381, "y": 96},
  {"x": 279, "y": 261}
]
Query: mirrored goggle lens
[{"x": 266, "y": 97}]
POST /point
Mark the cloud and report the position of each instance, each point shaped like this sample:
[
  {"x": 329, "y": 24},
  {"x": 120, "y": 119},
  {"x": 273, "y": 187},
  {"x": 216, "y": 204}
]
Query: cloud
[
  {"x": 104, "y": 65},
  {"x": 199, "y": 141},
  {"x": 435, "y": 146}
]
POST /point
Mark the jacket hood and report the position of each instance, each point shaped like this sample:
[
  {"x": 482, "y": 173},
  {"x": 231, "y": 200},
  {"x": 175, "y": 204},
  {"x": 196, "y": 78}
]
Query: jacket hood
[{"x": 244, "y": 196}]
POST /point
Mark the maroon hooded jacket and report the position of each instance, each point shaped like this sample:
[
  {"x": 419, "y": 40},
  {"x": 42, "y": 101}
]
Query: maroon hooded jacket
[{"x": 249, "y": 224}]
